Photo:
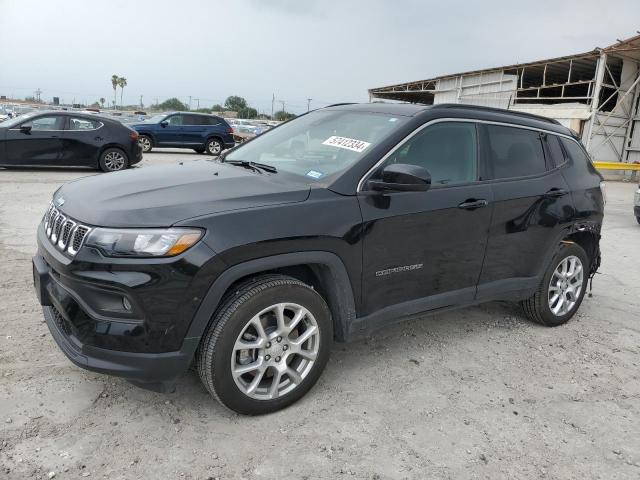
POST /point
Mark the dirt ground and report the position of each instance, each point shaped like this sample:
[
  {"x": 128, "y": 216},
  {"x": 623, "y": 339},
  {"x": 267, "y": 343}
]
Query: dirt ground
[{"x": 476, "y": 393}]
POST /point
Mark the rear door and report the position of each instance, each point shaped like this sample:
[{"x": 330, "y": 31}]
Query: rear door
[
  {"x": 194, "y": 129},
  {"x": 532, "y": 205},
  {"x": 41, "y": 145},
  {"x": 171, "y": 133},
  {"x": 82, "y": 140}
]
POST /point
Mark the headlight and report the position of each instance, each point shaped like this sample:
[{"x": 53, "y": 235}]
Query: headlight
[{"x": 148, "y": 242}]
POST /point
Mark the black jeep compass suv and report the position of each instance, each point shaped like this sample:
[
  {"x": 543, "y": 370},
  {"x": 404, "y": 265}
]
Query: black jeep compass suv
[{"x": 327, "y": 227}]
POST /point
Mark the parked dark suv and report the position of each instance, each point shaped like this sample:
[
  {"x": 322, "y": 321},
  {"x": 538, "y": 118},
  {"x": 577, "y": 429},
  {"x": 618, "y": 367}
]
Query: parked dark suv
[
  {"x": 327, "y": 227},
  {"x": 200, "y": 132}
]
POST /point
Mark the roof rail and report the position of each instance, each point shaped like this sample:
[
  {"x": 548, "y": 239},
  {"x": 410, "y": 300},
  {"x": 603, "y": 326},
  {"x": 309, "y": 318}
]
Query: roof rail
[
  {"x": 339, "y": 104},
  {"x": 531, "y": 116}
]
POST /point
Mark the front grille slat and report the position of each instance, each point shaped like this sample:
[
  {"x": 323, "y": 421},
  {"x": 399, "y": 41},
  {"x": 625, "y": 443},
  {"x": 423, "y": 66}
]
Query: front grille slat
[{"x": 66, "y": 234}]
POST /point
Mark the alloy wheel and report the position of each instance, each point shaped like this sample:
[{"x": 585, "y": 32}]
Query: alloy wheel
[
  {"x": 145, "y": 143},
  {"x": 565, "y": 285},
  {"x": 214, "y": 147},
  {"x": 114, "y": 161},
  {"x": 275, "y": 351}
]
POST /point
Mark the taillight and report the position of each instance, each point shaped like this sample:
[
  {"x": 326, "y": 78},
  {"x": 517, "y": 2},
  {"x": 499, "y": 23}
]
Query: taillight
[
  {"x": 229, "y": 130},
  {"x": 134, "y": 136}
]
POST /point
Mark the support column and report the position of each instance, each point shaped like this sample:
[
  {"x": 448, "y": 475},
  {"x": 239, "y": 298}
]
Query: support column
[{"x": 595, "y": 102}]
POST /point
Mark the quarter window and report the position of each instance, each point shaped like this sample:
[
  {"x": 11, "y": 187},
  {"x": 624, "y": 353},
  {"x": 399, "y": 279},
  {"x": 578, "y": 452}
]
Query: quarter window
[
  {"x": 574, "y": 150},
  {"x": 557, "y": 155},
  {"x": 447, "y": 150},
  {"x": 514, "y": 152}
]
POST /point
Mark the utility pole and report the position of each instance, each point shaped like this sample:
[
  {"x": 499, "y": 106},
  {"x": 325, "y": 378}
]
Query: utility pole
[
  {"x": 197, "y": 103},
  {"x": 141, "y": 105},
  {"x": 189, "y": 102},
  {"x": 273, "y": 99},
  {"x": 38, "y": 92},
  {"x": 309, "y": 103},
  {"x": 282, "y": 102}
]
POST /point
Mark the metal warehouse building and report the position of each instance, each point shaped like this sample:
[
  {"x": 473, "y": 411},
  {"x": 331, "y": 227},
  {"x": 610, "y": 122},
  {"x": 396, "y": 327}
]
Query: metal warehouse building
[{"x": 595, "y": 93}]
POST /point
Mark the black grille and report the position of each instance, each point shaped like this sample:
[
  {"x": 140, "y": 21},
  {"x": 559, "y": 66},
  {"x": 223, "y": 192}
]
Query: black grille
[{"x": 66, "y": 234}]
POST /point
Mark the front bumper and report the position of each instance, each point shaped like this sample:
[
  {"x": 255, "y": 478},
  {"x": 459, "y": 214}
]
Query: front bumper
[{"x": 83, "y": 307}]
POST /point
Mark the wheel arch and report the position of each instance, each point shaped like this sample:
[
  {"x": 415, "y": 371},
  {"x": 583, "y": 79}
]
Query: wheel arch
[
  {"x": 150, "y": 135},
  {"x": 324, "y": 271},
  {"x": 112, "y": 145}
]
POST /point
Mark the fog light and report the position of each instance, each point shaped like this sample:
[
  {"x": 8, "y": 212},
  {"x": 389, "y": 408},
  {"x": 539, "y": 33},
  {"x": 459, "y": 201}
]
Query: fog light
[{"x": 126, "y": 304}]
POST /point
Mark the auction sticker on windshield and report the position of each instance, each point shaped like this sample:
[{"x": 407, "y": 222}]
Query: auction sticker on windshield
[{"x": 347, "y": 143}]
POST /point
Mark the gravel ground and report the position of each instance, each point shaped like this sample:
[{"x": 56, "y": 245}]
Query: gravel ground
[{"x": 476, "y": 393}]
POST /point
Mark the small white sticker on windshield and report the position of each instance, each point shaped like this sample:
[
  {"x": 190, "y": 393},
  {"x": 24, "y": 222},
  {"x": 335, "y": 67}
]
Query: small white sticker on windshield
[
  {"x": 314, "y": 174},
  {"x": 347, "y": 143}
]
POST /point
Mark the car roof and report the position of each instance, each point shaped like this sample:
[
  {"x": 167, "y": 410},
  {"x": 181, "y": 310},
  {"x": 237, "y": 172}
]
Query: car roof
[
  {"x": 193, "y": 113},
  {"x": 461, "y": 111}
]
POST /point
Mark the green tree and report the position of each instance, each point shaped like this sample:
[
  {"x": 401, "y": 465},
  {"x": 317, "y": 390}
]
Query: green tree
[
  {"x": 282, "y": 115},
  {"x": 115, "y": 81},
  {"x": 235, "y": 103},
  {"x": 217, "y": 108},
  {"x": 172, "y": 104},
  {"x": 122, "y": 82},
  {"x": 247, "y": 112}
]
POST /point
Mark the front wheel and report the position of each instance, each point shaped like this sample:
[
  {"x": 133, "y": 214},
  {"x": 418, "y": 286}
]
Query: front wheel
[
  {"x": 214, "y": 146},
  {"x": 562, "y": 288},
  {"x": 146, "y": 143},
  {"x": 113, "y": 160},
  {"x": 267, "y": 345}
]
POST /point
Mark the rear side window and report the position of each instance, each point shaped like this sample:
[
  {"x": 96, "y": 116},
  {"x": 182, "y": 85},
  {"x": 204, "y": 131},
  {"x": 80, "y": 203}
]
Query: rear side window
[
  {"x": 575, "y": 151},
  {"x": 83, "y": 124},
  {"x": 214, "y": 120},
  {"x": 557, "y": 155},
  {"x": 447, "y": 150},
  {"x": 514, "y": 152}
]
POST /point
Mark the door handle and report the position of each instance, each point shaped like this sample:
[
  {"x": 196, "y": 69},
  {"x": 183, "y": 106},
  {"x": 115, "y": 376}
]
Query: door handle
[
  {"x": 472, "y": 204},
  {"x": 556, "y": 193}
]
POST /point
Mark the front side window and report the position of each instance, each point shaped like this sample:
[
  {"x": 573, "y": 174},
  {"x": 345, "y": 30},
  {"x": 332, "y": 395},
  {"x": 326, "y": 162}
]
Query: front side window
[
  {"x": 319, "y": 144},
  {"x": 175, "y": 120},
  {"x": 514, "y": 152},
  {"x": 448, "y": 151},
  {"x": 83, "y": 124},
  {"x": 49, "y": 122}
]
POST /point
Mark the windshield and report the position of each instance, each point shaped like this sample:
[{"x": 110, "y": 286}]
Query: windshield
[
  {"x": 156, "y": 118},
  {"x": 320, "y": 143}
]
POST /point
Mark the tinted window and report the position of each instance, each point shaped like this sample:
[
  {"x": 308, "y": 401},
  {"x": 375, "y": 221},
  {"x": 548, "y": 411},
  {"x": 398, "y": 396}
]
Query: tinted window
[
  {"x": 50, "y": 122},
  {"x": 175, "y": 120},
  {"x": 574, "y": 150},
  {"x": 557, "y": 155},
  {"x": 83, "y": 124},
  {"x": 195, "y": 120},
  {"x": 215, "y": 120},
  {"x": 446, "y": 150},
  {"x": 514, "y": 152}
]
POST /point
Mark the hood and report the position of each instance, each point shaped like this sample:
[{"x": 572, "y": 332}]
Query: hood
[{"x": 162, "y": 196}]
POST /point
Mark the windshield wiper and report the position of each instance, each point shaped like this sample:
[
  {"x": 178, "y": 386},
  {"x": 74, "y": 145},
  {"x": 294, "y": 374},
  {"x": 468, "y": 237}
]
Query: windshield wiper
[{"x": 257, "y": 166}]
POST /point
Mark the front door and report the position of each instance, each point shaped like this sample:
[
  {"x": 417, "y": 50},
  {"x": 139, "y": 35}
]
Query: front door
[
  {"x": 171, "y": 132},
  {"x": 37, "y": 141},
  {"x": 427, "y": 248},
  {"x": 194, "y": 129}
]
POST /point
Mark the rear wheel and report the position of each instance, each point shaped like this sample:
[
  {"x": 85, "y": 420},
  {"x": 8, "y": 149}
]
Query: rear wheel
[
  {"x": 562, "y": 288},
  {"x": 214, "y": 146},
  {"x": 146, "y": 143},
  {"x": 266, "y": 346},
  {"x": 113, "y": 160}
]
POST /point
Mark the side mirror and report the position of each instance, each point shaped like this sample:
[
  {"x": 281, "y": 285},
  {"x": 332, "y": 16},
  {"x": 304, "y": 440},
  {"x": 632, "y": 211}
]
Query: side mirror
[
  {"x": 25, "y": 128},
  {"x": 164, "y": 123},
  {"x": 401, "y": 177}
]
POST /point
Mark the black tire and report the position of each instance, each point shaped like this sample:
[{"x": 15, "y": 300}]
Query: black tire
[
  {"x": 638, "y": 219},
  {"x": 216, "y": 351},
  {"x": 199, "y": 150},
  {"x": 537, "y": 307},
  {"x": 214, "y": 146},
  {"x": 146, "y": 142},
  {"x": 113, "y": 160}
]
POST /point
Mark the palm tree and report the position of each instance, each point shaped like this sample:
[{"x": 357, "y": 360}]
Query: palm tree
[
  {"x": 122, "y": 82},
  {"x": 115, "y": 81},
  {"x": 102, "y": 100}
]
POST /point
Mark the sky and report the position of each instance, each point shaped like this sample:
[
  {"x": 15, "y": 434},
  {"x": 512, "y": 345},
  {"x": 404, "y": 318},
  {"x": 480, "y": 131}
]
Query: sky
[{"x": 327, "y": 50}]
